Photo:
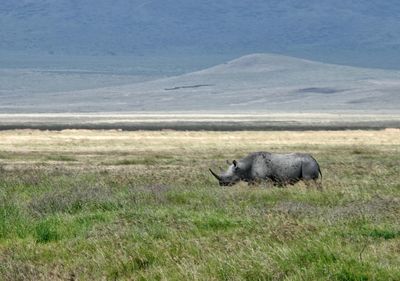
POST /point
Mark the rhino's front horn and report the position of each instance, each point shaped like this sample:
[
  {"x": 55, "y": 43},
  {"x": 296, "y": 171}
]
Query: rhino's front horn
[{"x": 215, "y": 175}]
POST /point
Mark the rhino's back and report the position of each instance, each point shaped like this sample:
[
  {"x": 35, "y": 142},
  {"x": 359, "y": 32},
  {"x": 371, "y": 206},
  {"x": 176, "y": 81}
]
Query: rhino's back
[
  {"x": 286, "y": 167},
  {"x": 290, "y": 167},
  {"x": 282, "y": 167},
  {"x": 290, "y": 158}
]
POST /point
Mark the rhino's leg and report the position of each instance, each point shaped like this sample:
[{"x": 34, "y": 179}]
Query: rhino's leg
[
  {"x": 251, "y": 183},
  {"x": 310, "y": 175},
  {"x": 308, "y": 183},
  {"x": 254, "y": 182},
  {"x": 313, "y": 182},
  {"x": 268, "y": 183},
  {"x": 318, "y": 184},
  {"x": 280, "y": 184}
]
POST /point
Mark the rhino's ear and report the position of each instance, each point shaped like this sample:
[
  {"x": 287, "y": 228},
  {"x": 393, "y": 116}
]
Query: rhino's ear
[{"x": 234, "y": 163}]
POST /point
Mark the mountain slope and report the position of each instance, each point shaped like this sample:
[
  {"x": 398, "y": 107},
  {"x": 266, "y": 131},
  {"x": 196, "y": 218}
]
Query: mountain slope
[
  {"x": 258, "y": 82},
  {"x": 360, "y": 32}
]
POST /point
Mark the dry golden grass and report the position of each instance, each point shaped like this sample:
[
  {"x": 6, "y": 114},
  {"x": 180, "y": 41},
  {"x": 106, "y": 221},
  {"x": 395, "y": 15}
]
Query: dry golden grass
[{"x": 89, "y": 141}]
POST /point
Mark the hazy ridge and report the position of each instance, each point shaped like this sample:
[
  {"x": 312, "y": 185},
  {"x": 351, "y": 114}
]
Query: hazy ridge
[{"x": 252, "y": 83}]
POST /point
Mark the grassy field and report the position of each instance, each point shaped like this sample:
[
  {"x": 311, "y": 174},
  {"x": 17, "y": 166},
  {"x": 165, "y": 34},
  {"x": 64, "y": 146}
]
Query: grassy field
[{"x": 111, "y": 205}]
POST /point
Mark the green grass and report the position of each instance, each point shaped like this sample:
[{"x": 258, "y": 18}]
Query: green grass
[{"x": 158, "y": 217}]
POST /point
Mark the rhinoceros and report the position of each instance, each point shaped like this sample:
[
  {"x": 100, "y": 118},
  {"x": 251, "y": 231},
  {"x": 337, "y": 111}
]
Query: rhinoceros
[{"x": 281, "y": 169}]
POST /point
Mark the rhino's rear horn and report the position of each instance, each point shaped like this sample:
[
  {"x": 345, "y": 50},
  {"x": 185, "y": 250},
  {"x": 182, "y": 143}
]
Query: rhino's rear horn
[{"x": 215, "y": 175}]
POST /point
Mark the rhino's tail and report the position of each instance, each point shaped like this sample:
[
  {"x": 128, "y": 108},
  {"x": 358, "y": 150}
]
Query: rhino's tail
[
  {"x": 319, "y": 170},
  {"x": 319, "y": 185}
]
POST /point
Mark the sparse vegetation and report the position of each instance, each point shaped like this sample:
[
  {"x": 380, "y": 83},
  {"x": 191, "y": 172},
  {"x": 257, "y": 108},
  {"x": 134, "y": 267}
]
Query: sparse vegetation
[{"x": 108, "y": 205}]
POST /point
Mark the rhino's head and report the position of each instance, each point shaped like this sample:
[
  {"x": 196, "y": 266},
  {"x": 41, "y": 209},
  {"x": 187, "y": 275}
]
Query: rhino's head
[{"x": 230, "y": 177}]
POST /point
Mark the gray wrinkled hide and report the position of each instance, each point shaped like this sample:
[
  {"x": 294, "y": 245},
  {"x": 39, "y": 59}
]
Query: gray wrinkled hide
[{"x": 280, "y": 168}]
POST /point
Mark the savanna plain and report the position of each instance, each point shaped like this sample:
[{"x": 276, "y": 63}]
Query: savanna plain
[{"x": 115, "y": 205}]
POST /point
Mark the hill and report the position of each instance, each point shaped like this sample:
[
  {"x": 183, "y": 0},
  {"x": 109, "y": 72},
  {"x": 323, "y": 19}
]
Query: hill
[{"x": 253, "y": 83}]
